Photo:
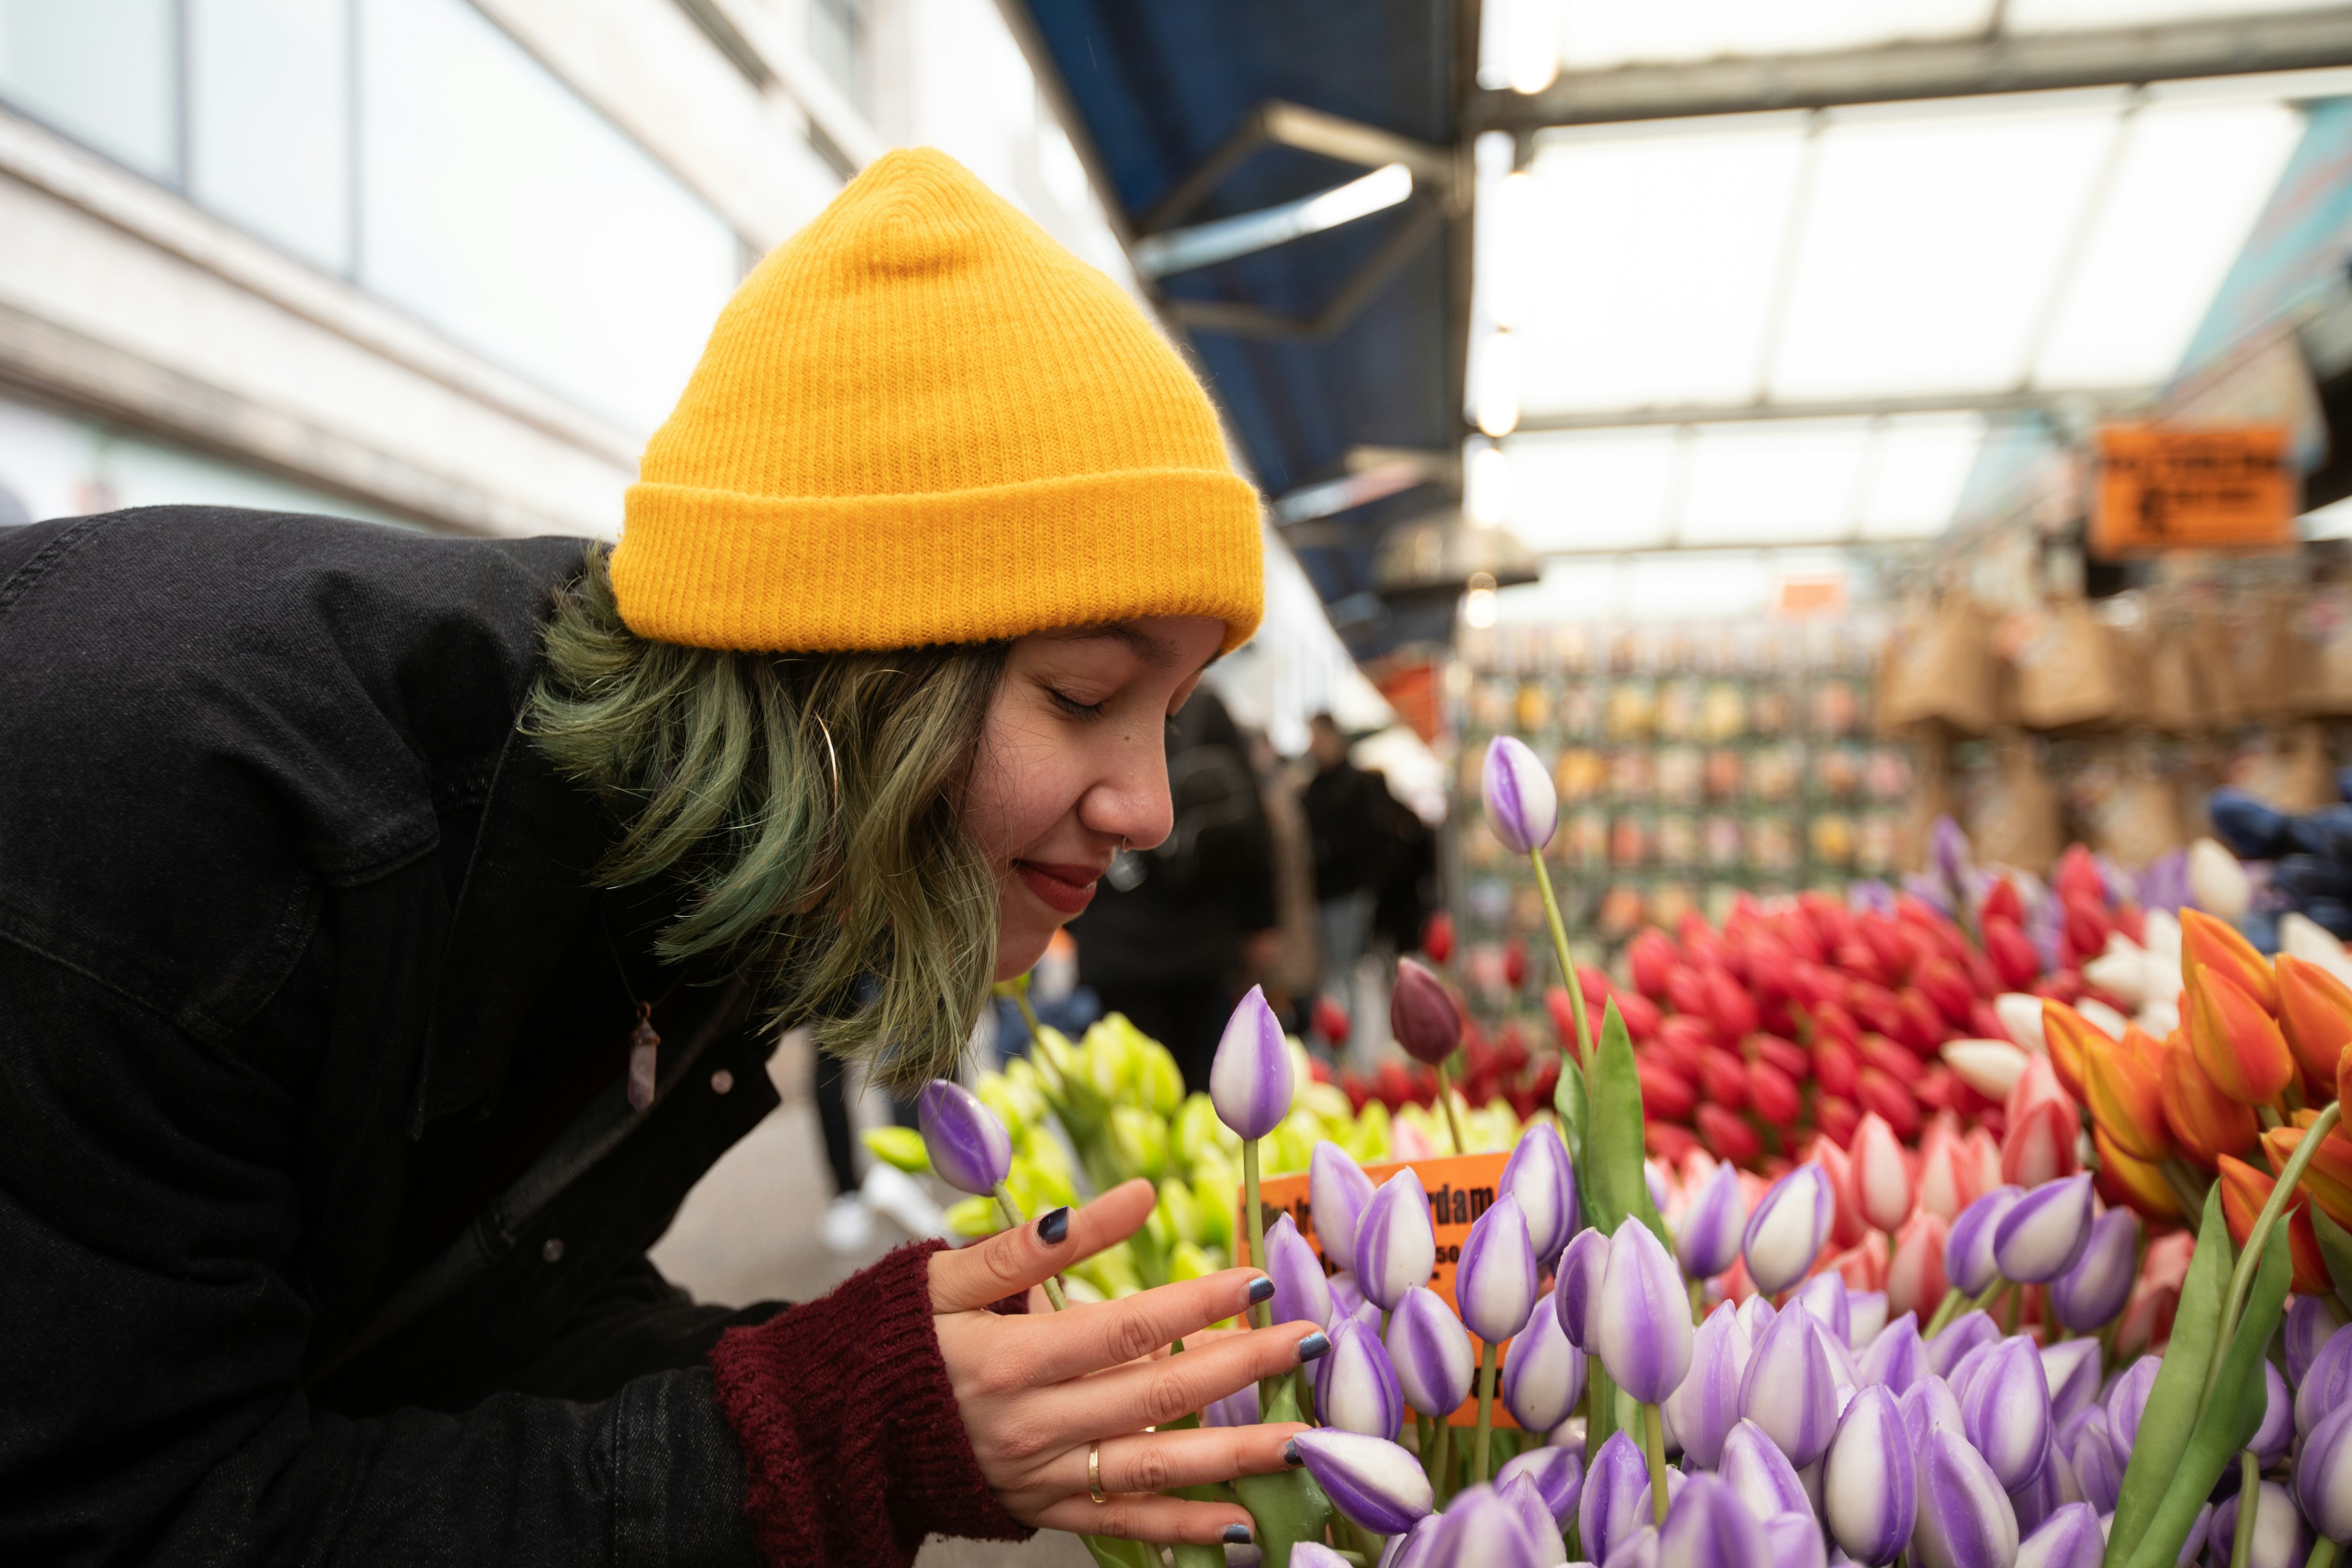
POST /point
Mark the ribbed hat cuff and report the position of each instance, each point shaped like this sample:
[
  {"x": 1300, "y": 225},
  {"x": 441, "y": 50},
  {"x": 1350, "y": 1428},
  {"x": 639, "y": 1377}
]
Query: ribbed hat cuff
[{"x": 818, "y": 573}]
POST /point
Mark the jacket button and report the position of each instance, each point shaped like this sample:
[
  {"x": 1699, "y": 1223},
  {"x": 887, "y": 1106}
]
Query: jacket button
[
  {"x": 721, "y": 1081},
  {"x": 552, "y": 1249}
]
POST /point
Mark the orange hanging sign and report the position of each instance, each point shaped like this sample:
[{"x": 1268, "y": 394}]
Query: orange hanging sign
[{"x": 2164, "y": 487}]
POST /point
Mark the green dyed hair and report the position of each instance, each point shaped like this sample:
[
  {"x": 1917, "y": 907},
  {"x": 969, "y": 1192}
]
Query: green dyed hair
[{"x": 808, "y": 807}]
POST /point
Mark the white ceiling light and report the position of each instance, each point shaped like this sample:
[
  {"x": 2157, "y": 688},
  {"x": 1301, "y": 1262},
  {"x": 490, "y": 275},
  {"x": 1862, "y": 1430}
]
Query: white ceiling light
[
  {"x": 1486, "y": 484},
  {"x": 1518, "y": 43},
  {"x": 1509, "y": 247},
  {"x": 1497, "y": 384}
]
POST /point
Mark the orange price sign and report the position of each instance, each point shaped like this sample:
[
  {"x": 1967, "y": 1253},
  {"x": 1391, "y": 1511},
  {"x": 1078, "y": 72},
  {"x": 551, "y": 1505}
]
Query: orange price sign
[
  {"x": 2176, "y": 487},
  {"x": 1461, "y": 1187}
]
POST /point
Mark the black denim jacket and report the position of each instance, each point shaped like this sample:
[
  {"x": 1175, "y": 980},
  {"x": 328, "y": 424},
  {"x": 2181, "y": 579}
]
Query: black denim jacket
[{"x": 323, "y": 1216}]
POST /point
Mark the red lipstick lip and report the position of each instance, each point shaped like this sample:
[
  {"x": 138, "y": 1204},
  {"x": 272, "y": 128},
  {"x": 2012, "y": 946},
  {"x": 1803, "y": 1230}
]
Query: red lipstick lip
[{"x": 1067, "y": 890}]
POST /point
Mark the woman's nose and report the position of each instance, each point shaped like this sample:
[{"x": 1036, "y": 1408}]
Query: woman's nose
[{"x": 1131, "y": 801}]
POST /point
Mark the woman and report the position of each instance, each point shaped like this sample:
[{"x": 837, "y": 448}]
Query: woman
[{"x": 391, "y": 928}]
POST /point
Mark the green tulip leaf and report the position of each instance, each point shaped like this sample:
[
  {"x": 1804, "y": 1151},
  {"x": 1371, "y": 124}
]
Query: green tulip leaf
[
  {"x": 1575, "y": 1112},
  {"x": 2335, "y": 1247},
  {"x": 1614, "y": 1186},
  {"x": 1289, "y": 1506},
  {"x": 1109, "y": 1552},
  {"x": 2164, "y": 1427}
]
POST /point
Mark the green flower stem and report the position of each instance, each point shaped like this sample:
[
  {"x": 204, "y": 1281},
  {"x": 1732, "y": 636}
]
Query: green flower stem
[
  {"x": 1028, "y": 1012},
  {"x": 2323, "y": 1554},
  {"x": 1945, "y": 1310},
  {"x": 1653, "y": 1445},
  {"x": 2250, "y": 1479},
  {"x": 2242, "y": 1280},
  {"x": 1445, "y": 1098},
  {"x": 1486, "y": 1415},
  {"x": 1567, "y": 964},
  {"x": 1261, "y": 1314},
  {"x": 1013, "y": 1220},
  {"x": 1698, "y": 1300},
  {"x": 1441, "y": 1478}
]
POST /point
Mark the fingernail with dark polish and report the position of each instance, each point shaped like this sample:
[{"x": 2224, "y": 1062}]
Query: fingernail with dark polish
[
  {"x": 1291, "y": 1456},
  {"x": 1238, "y": 1535},
  {"x": 1314, "y": 1345},
  {"x": 1054, "y": 1226},
  {"x": 1261, "y": 1290}
]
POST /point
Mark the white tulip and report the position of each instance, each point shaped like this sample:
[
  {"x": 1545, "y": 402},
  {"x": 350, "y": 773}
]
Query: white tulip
[
  {"x": 2220, "y": 884},
  {"x": 2020, "y": 1015},
  {"x": 2102, "y": 1017},
  {"x": 1991, "y": 1068}
]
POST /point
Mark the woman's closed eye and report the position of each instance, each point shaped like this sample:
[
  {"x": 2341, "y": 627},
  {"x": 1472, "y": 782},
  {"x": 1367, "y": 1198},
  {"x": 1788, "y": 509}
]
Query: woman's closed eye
[{"x": 1076, "y": 708}]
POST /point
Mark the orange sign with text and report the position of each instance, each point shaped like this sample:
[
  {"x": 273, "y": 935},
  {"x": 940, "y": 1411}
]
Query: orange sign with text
[
  {"x": 1461, "y": 1188},
  {"x": 2216, "y": 487}
]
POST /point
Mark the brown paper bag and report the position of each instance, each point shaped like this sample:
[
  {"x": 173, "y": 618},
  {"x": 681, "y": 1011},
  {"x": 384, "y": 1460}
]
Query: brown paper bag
[
  {"x": 2017, "y": 821},
  {"x": 2295, "y": 774},
  {"x": 2328, "y": 689},
  {"x": 1940, "y": 669},
  {"x": 2063, "y": 676}
]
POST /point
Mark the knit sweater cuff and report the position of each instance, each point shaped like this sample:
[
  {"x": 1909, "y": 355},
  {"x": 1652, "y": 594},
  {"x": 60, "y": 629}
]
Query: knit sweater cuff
[{"x": 849, "y": 1425}]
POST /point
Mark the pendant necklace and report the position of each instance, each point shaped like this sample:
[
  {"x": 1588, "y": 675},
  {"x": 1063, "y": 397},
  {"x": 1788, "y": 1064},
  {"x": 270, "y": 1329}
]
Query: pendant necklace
[{"x": 644, "y": 1040}]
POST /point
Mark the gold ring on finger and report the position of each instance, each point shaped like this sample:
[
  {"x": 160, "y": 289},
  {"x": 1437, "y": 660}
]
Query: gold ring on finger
[{"x": 1094, "y": 1473}]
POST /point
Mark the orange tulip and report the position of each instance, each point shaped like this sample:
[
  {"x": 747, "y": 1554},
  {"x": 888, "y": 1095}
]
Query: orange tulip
[
  {"x": 2125, "y": 1097},
  {"x": 2065, "y": 1032},
  {"x": 2315, "y": 1012},
  {"x": 2205, "y": 1123},
  {"x": 2328, "y": 1177},
  {"x": 2244, "y": 1190},
  {"x": 2344, "y": 1088},
  {"x": 2210, "y": 943},
  {"x": 2237, "y": 1043},
  {"x": 2137, "y": 1184}
]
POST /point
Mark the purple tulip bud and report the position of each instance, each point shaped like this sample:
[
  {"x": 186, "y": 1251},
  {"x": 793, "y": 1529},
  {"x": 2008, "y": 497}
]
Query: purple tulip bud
[
  {"x": 1824, "y": 1297},
  {"x": 2128, "y": 1398},
  {"x": 2323, "y": 1475},
  {"x": 2091, "y": 1457},
  {"x": 1757, "y": 1469},
  {"x": 1543, "y": 1375},
  {"x": 1965, "y": 1518},
  {"x": 1928, "y": 1407},
  {"x": 1643, "y": 1316},
  {"x": 2042, "y": 1493},
  {"x": 968, "y": 1146},
  {"x": 1348, "y": 1299},
  {"x": 1479, "y": 1530},
  {"x": 1705, "y": 1406},
  {"x": 2069, "y": 1538},
  {"x": 1369, "y": 1479},
  {"x": 1422, "y": 1014},
  {"x": 1897, "y": 1358},
  {"x": 1709, "y": 1526},
  {"x": 1358, "y": 1391},
  {"x": 2044, "y": 1232},
  {"x": 2328, "y": 1382},
  {"x": 1614, "y": 1488},
  {"x": 1756, "y": 1315},
  {"x": 2310, "y": 1321},
  {"x": 1410, "y": 1550},
  {"x": 1431, "y": 1352},
  {"x": 1786, "y": 1232},
  {"x": 1655, "y": 1180},
  {"x": 1302, "y": 1294},
  {"x": 1519, "y": 1495},
  {"x": 1239, "y": 1408},
  {"x": 1250, "y": 1079},
  {"x": 1396, "y": 1248},
  {"x": 2281, "y": 1540},
  {"x": 2089, "y": 1295},
  {"x": 1337, "y": 1192},
  {"x": 1558, "y": 1478},
  {"x": 2070, "y": 1368},
  {"x": 1522, "y": 808},
  {"x": 1637, "y": 1549},
  {"x": 2192, "y": 1547},
  {"x": 1968, "y": 1261},
  {"x": 1495, "y": 1282},
  {"x": 1315, "y": 1554},
  {"x": 1869, "y": 1484},
  {"x": 1540, "y": 1175},
  {"x": 1787, "y": 1389},
  {"x": 2271, "y": 1438},
  {"x": 1866, "y": 1311},
  {"x": 1957, "y": 1338},
  {"x": 1794, "y": 1540},
  {"x": 1582, "y": 1267},
  {"x": 2006, "y": 1407},
  {"x": 1709, "y": 1239}
]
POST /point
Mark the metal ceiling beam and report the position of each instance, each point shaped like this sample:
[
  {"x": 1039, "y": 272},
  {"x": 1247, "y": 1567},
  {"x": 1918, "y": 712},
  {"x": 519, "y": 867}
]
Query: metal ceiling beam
[
  {"x": 2119, "y": 57},
  {"x": 1278, "y": 123},
  {"x": 1836, "y": 408}
]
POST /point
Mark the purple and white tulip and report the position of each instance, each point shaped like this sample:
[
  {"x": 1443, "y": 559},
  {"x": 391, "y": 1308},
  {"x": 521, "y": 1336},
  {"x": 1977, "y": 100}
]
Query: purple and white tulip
[
  {"x": 1369, "y": 1479},
  {"x": 1616, "y": 1487},
  {"x": 1643, "y": 1316},
  {"x": 1897, "y": 1358},
  {"x": 1867, "y": 1313},
  {"x": 2127, "y": 1398},
  {"x": 1558, "y": 1475},
  {"x": 2006, "y": 1410},
  {"x": 1410, "y": 1550},
  {"x": 2091, "y": 1457},
  {"x": 1239, "y": 1408},
  {"x": 2280, "y": 1539},
  {"x": 2069, "y": 1538},
  {"x": 1543, "y": 1377},
  {"x": 1637, "y": 1549},
  {"x": 1251, "y": 1079},
  {"x": 1709, "y": 1526},
  {"x": 2270, "y": 1440},
  {"x": 2323, "y": 1475},
  {"x": 1430, "y": 1351},
  {"x": 1705, "y": 1406},
  {"x": 1761, "y": 1474},
  {"x": 966, "y": 1142},
  {"x": 2328, "y": 1382},
  {"x": 1396, "y": 1248},
  {"x": 2088, "y": 1295},
  {"x": 2070, "y": 1368},
  {"x": 1707, "y": 1241},
  {"x": 1756, "y": 1315},
  {"x": 1522, "y": 806},
  {"x": 1540, "y": 1175},
  {"x": 1824, "y": 1297},
  {"x": 1315, "y": 1554},
  {"x": 1929, "y": 1407},
  {"x": 1968, "y": 1263},
  {"x": 1578, "y": 1290},
  {"x": 2044, "y": 1232},
  {"x": 1965, "y": 1520},
  {"x": 1302, "y": 1292},
  {"x": 1869, "y": 1481},
  {"x": 1957, "y": 1338},
  {"x": 1337, "y": 1192},
  {"x": 1542, "y": 1531},
  {"x": 1786, "y": 1232},
  {"x": 1348, "y": 1299},
  {"x": 1479, "y": 1530},
  {"x": 2311, "y": 1322},
  {"x": 1789, "y": 1389},
  {"x": 1794, "y": 1540},
  {"x": 1358, "y": 1391},
  {"x": 1495, "y": 1282}
]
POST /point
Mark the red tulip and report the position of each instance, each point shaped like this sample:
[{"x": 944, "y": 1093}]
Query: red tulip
[
  {"x": 1885, "y": 1094},
  {"x": 1874, "y": 1008},
  {"x": 2013, "y": 958},
  {"x": 1789, "y": 1058},
  {"x": 1837, "y": 1117},
  {"x": 1686, "y": 991},
  {"x": 1846, "y": 1224},
  {"x": 1923, "y": 1026},
  {"x": 1727, "y": 1135},
  {"x": 1514, "y": 964},
  {"x": 1946, "y": 985},
  {"x": 1422, "y": 1016},
  {"x": 1915, "y": 1275},
  {"x": 1728, "y": 1005},
  {"x": 1879, "y": 1051},
  {"x": 1831, "y": 1018},
  {"x": 1723, "y": 1079},
  {"x": 1685, "y": 1042},
  {"x": 1650, "y": 957},
  {"x": 2040, "y": 1146},
  {"x": 1772, "y": 1094},
  {"x": 1641, "y": 1014},
  {"x": 1667, "y": 1141},
  {"x": 2086, "y": 927},
  {"x": 2002, "y": 902},
  {"x": 1883, "y": 1183},
  {"x": 1666, "y": 1094},
  {"x": 1437, "y": 938},
  {"x": 1837, "y": 1067}
]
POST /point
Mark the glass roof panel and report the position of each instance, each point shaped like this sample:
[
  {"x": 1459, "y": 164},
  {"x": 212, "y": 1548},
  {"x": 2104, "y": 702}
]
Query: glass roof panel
[
  {"x": 1595, "y": 34},
  {"x": 1768, "y": 481},
  {"x": 1593, "y": 490},
  {"x": 1917, "y": 464},
  {"x": 2059, "y": 15}
]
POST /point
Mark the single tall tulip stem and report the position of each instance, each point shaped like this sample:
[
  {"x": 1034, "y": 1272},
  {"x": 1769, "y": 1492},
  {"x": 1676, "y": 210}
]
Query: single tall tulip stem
[
  {"x": 1698, "y": 1300},
  {"x": 2323, "y": 1554},
  {"x": 1445, "y": 1098},
  {"x": 1486, "y": 1415},
  {"x": 2241, "y": 1279},
  {"x": 1945, "y": 1310},
  {"x": 1261, "y": 1314},
  {"x": 1654, "y": 1445},
  {"x": 2269, "y": 1117},
  {"x": 2249, "y": 1481},
  {"x": 2188, "y": 1190},
  {"x": 1013, "y": 1220},
  {"x": 1020, "y": 989},
  {"x": 1567, "y": 964}
]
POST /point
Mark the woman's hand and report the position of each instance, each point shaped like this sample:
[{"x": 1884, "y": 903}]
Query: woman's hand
[{"x": 1036, "y": 1391}]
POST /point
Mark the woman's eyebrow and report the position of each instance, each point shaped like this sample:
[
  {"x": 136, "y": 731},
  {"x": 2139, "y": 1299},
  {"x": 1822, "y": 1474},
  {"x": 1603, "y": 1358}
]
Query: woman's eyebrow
[{"x": 1155, "y": 651}]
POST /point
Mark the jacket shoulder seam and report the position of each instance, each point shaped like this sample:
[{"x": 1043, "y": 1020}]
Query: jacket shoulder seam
[{"x": 45, "y": 560}]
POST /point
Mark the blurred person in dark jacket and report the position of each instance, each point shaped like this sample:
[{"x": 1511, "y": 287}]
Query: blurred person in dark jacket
[{"x": 1348, "y": 828}]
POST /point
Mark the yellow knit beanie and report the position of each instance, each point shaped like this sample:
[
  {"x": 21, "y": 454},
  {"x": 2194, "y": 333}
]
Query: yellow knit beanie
[{"x": 920, "y": 420}]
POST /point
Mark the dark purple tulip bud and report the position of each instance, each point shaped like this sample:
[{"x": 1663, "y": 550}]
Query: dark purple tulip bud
[
  {"x": 2070, "y": 1367},
  {"x": 1337, "y": 1192},
  {"x": 2327, "y": 1383},
  {"x": 1897, "y": 1358},
  {"x": 968, "y": 1144},
  {"x": 1785, "y": 1233},
  {"x": 1869, "y": 1482},
  {"x": 1705, "y": 1406},
  {"x": 2006, "y": 1408},
  {"x": 2280, "y": 1539},
  {"x": 1479, "y": 1530},
  {"x": 1302, "y": 1292},
  {"x": 1794, "y": 1540},
  {"x": 2271, "y": 1438},
  {"x": 1866, "y": 1311},
  {"x": 1558, "y": 1478},
  {"x": 1370, "y": 1480},
  {"x": 1614, "y": 1485},
  {"x": 2128, "y": 1398},
  {"x": 1787, "y": 1389},
  {"x": 2087, "y": 1297},
  {"x": 1395, "y": 1245},
  {"x": 1522, "y": 805},
  {"x": 1542, "y": 1531},
  {"x": 1824, "y": 1297},
  {"x": 1422, "y": 1016},
  {"x": 1968, "y": 1262},
  {"x": 1754, "y": 1467},
  {"x": 1709, "y": 1526},
  {"x": 2091, "y": 1457},
  {"x": 1543, "y": 1374},
  {"x": 1495, "y": 1284},
  {"x": 1358, "y": 1391},
  {"x": 1928, "y": 1406},
  {"x": 1643, "y": 1316},
  {"x": 1957, "y": 1338},
  {"x": 1582, "y": 1267},
  {"x": 1250, "y": 1079},
  {"x": 1540, "y": 1175},
  {"x": 2323, "y": 1475},
  {"x": 2069, "y": 1538},
  {"x": 1965, "y": 1518},
  {"x": 1708, "y": 1238},
  {"x": 2044, "y": 1232},
  {"x": 2310, "y": 1321},
  {"x": 1430, "y": 1350}
]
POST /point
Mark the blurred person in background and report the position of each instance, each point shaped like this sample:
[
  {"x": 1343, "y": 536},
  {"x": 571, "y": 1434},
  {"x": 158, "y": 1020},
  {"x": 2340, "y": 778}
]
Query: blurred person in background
[
  {"x": 1182, "y": 928},
  {"x": 1297, "y": 959},
  {"x": 394, "y": 927},
  {"x": 1407, "y": 892},
  {"x": 1347, "y": 827}
]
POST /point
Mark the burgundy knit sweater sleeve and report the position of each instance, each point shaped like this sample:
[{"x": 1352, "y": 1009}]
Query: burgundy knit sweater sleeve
[{"x": 850, "y": 1431}]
